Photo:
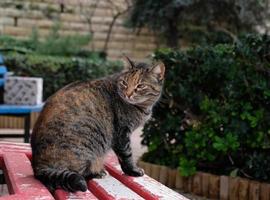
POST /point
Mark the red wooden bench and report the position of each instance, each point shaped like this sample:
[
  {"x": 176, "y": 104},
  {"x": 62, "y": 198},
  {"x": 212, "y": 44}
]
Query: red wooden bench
[{"x": 15, "y": 162}]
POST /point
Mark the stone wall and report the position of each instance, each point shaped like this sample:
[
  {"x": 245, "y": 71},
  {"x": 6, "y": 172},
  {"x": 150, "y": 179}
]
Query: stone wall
[{"x": 19, "y": 17}]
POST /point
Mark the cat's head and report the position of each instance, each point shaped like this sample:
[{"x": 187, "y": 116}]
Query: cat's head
[{"x": 141, "y": 83}]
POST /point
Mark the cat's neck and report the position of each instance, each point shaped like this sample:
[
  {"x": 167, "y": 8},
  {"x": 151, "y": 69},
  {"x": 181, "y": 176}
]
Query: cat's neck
[{"x": 144, "y": 110}]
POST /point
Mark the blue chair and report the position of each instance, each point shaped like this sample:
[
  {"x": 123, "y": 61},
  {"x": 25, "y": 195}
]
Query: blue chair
[
  {"x": 3, "y": 71},
  {"x": 16, "y": 110}
]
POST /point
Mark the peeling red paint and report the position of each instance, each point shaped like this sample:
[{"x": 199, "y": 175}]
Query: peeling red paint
[{"x": 15, "y": 162}]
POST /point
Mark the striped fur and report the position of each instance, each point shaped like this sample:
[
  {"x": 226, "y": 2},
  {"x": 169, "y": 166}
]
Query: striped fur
[{"x": 84, "y": 120}]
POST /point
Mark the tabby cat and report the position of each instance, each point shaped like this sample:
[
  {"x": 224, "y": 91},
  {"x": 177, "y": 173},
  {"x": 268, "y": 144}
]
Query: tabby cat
[{"x": 84, "y": 120}]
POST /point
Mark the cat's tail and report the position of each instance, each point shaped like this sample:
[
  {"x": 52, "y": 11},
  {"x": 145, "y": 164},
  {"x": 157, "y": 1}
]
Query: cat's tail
[{"x": 68, "y": 180}]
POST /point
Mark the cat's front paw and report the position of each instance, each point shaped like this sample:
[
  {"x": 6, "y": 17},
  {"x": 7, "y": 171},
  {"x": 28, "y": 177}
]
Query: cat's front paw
[
  {"x": 101, "y": 174},
  {"x": 136, "y": 171}
]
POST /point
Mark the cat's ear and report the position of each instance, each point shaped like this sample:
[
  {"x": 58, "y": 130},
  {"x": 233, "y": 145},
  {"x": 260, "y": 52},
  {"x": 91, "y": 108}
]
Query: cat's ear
[
  {"x": 159, "y": 70},
  {"x": 130, "y": 63}
]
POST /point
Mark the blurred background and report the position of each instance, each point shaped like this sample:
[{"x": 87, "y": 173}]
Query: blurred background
[{"x": 214, "y": 115}]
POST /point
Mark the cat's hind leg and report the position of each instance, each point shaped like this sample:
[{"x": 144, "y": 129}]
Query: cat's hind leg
[
  {"x": 99, "y": 175},
  {"x": 96, "y": 169},
  {"x": 68, "y": 180}
]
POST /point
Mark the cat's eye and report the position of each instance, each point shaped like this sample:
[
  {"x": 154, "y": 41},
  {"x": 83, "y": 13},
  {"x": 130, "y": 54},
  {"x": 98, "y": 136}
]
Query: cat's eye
[
  {"x": 124, "y": 83},
  {"x": 141, "y": 86}
]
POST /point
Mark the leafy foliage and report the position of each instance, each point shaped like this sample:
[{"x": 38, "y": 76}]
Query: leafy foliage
[
  {"x": 59, "y": 60},
  {"x": 214, "y": 114},
  {"x": 59, "y": 71},
  {"x": 54, "y": 44},
  {"x": 198, "y": 20}
]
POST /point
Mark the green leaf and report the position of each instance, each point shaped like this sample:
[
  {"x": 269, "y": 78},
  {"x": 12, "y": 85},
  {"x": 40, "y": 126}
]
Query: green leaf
[
  {"x": 234, "y": 172},
  {"x": 187, "y": 167}
]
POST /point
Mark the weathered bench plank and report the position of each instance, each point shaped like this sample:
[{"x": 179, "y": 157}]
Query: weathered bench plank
[
  {"x": 61, "y": 194},
  {"x": 15, "y": 147},
  {"x": 145, "y": 186},
  {"x": 109, "y": 188},
  {"x": 20, "y": 179},
  {"x": 15, "y": 161}
]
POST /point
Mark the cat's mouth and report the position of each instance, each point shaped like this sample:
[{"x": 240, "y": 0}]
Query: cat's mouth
[
  {"x": 130, "y": 100},
  {"x": 135, "y": 100}
]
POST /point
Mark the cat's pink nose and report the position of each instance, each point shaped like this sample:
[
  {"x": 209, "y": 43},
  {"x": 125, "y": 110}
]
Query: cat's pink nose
[{"x": 128, "y": 95}]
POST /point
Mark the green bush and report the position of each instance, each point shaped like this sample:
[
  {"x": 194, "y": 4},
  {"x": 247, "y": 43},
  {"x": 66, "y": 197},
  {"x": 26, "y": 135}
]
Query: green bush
[
  {"x": 54, "y": 44},
  {"x": 58, "y": 71},
  {"x": 214, "y": 114},
  {"x": 59, "y": 60}
]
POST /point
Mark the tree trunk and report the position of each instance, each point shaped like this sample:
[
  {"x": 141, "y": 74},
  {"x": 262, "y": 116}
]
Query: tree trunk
[{"x": 172, "y": 34}]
